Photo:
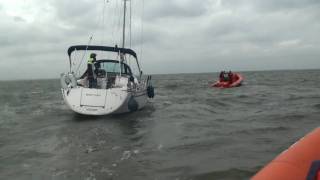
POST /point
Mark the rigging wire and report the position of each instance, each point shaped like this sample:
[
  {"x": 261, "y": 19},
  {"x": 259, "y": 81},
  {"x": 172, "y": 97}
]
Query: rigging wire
[
  {"x": 83, "y": 55},
  {"x": 90, "y": 40},
  {"x": 100, "y": 21},
  {"x": 103, "y": 20},
  {"x": 115, "y": 24},
  {"x": 92, "y": 36}
]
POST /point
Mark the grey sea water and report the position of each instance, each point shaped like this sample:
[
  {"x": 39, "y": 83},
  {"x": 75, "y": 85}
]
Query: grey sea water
[{"x": 188, "y": 131}]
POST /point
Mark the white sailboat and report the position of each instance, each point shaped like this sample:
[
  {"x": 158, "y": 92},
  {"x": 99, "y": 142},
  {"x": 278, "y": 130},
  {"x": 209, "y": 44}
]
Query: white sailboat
[{"x": 108, "y": 86}]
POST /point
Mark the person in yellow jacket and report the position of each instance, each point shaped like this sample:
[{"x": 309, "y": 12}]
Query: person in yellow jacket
[{"x": 92, "y": 81}]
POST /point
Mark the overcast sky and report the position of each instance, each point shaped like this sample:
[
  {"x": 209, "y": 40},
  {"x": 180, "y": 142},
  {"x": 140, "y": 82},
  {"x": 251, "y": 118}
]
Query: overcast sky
[{"x": 179, "y": 36}]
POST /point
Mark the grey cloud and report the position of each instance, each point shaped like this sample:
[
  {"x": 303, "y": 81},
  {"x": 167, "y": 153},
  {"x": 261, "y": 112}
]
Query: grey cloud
[
  {"x": 202, "y": 35},
  {"x": 74, "y": 9},
  {"x": 18, "y": 19},
  {"x": 80, "y": 15},
  {"x": 270, "y": 5},
  {"x": 251, "y": 39},
  {"x": 261, "y": 29},
  {"x": 150, "y": 36},
  {"x": 31, "y": 35},
  {"x": 175, "y": 9},
  {"x": 5, "y": 41},
  {"x": 274, "y": 5}
]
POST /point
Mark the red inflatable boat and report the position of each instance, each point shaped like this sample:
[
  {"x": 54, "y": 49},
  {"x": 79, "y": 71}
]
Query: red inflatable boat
[
  {"x": 235, "y": 80},
  {"x": 300, "y": 161}
]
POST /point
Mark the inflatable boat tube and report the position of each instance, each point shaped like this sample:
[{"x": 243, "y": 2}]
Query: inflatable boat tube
[
  {"x": 300, "y": 161},
  {"x": 237, "y": 80}
]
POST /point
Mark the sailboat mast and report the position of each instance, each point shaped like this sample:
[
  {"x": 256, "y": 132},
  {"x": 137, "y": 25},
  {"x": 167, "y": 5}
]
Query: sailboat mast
[{"x": 124, "y": 23}]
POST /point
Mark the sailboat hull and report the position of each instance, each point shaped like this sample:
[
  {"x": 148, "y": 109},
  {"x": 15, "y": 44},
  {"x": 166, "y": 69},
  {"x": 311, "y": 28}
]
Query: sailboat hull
[{"x": 89, "y": 101}]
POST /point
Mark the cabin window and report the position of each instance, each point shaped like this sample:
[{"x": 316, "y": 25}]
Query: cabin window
[{"x": 114, "y": 67}]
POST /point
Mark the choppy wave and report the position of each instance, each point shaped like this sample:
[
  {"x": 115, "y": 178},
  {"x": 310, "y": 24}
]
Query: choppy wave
[
  {"x": 230, "y": 174},
  {"x": 189, "y": 131}
]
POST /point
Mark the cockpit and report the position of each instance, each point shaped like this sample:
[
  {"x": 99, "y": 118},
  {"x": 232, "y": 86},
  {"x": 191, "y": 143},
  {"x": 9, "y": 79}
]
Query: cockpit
[{"x": 105, "y": 73}]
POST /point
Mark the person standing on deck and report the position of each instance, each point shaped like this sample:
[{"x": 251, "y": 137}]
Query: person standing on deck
[
  {"x": 92, "y": 81},
  {"x": 221, "y": 76},
  {"x": 230, "y": 76}
]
